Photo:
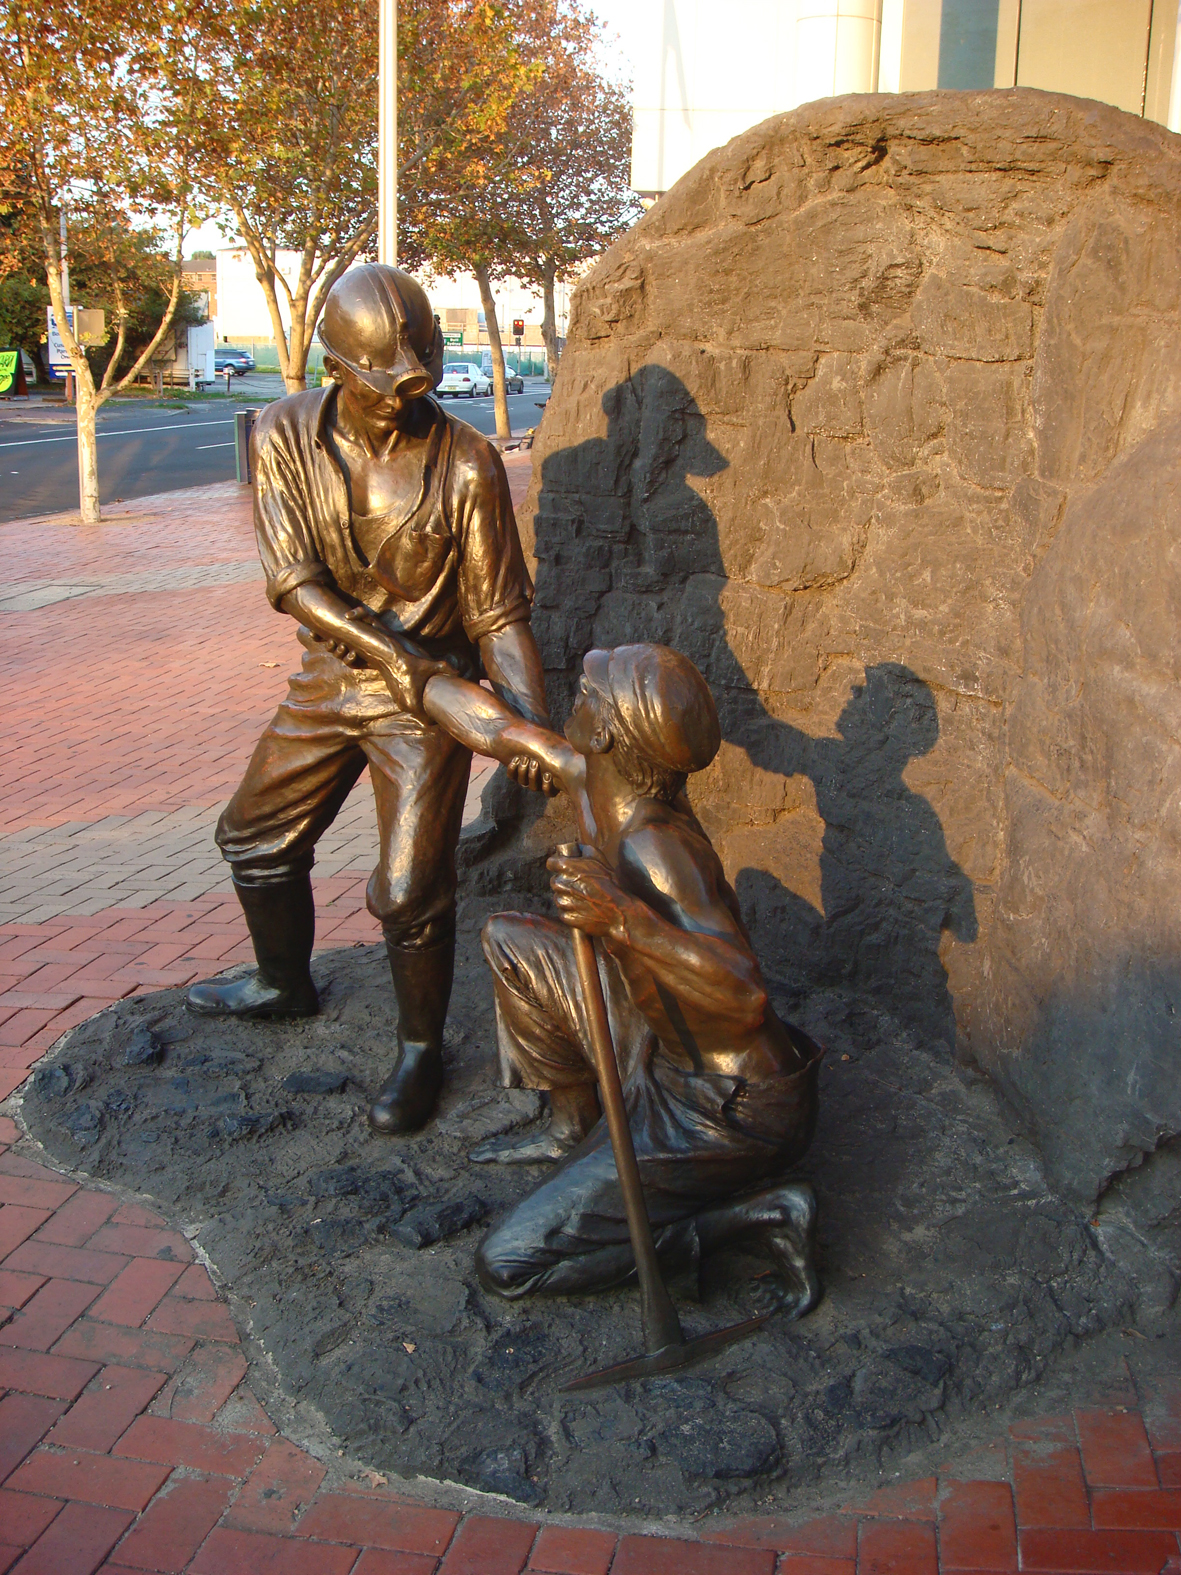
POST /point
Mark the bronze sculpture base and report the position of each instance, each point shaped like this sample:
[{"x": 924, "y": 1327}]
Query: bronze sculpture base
[{"x": 943, "y": 1297}]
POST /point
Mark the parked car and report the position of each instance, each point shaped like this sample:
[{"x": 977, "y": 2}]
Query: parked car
[
  {"x": 464, "y": 377},
  {"x": 514, "y": 383},
  {"x": 227, "y": 359}
]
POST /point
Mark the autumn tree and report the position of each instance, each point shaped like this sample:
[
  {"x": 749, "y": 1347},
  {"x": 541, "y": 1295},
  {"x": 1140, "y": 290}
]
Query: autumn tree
[
  {"x": 450, "y": 187},
  {"x": 547, "y": 193},
  {"x": 289, "y": 132},
  {"x": 288, "y": 145},
  {"x": 23, "y": 295},
  {"x": 133, "y": 287},
  {"x": 98, "y": 96},
  {"x": 455, "y": 228},
  {"x": 575, "y": 129}
]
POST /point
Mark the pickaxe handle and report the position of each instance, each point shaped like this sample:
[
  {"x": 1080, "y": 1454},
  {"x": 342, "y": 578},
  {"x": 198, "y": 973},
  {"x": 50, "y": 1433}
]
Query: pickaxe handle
[{"x": 661, "y": 1325}]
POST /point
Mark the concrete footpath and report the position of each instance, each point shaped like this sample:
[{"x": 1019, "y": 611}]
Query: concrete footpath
[{"x": 140, "y": 660}]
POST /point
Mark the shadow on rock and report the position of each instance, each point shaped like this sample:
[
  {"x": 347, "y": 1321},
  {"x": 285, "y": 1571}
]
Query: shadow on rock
[{"x": 628, "y": 550}]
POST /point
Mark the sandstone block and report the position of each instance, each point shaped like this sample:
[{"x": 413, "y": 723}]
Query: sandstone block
[{"x": 876, "y": 416}]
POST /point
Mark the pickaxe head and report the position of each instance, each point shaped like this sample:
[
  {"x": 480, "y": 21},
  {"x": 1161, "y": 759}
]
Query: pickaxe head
[{"x": 669, "y": 1358}]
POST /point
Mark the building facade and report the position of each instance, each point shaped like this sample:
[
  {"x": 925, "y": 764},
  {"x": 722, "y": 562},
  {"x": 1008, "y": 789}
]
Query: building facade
[
  {"x": 705, "y": 72},
  {"x": 200, "y": 280}
]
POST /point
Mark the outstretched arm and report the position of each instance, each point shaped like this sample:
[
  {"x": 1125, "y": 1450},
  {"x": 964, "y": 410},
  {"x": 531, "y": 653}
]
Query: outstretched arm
[
  {"x": 485, "y": 724},
  {"x": 513, "y": 665}
]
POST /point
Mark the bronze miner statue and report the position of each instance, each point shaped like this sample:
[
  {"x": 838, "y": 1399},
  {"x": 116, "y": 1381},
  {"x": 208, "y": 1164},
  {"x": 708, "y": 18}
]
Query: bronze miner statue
[
  {"x": 720, "y": 1094},
  {"x": 378, "y": 516}
]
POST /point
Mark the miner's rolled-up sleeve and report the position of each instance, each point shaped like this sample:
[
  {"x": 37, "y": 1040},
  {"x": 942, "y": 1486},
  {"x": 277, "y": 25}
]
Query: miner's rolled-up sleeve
[
  {"x": 494, "y": 585},
  {"x": 286, "y": 544}
]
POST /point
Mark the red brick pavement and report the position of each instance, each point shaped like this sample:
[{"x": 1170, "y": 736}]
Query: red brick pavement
[
  {"x": 118, "y": 952},
  {"x": 124, "y": 698},
  {"x": 129, "y": 1439},
  {"x": 145, "y": 723}
]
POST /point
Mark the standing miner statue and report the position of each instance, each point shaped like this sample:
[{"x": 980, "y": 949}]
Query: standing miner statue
[{"x": 378, "y": 516}]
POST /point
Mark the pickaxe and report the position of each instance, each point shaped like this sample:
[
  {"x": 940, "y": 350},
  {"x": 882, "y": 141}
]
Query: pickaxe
[{"x": 665, "y": 1344}]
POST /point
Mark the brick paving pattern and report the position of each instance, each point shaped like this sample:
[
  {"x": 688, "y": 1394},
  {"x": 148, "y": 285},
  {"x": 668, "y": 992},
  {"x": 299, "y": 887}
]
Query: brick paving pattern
[{"x": 143, "y": 661}]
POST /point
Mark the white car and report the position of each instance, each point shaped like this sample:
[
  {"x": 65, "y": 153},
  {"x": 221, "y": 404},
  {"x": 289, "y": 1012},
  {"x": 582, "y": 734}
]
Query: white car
[{"x": 463, "y": 377}]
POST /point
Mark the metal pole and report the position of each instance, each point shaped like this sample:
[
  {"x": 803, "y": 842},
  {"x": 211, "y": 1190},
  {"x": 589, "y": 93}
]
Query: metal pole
[
  {"x": 387, "y": 133},
  {"x": 65, "y": 263},
  {"x": 64, "y": 256}
]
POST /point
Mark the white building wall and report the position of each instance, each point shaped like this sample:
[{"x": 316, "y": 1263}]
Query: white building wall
[
  {"x": 699, "y": 82},
  {"x": 836, "y": 48},
  {"x": 241, "y": 306},
  {"x": 705, "y": 72}
]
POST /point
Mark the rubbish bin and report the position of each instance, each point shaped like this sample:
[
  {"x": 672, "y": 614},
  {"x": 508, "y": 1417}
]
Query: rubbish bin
[{"x": 243, "y": 426}]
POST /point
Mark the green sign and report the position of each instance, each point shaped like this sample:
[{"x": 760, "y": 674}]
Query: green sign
[
  {"x": 10, "y": 361},
  {"x": 454, "y": 337}
]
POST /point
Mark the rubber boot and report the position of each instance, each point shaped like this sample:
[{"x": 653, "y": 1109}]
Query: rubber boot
[
  {"x": 422, "y": 983},
  {"x": 281, "y": 918},
  {"x": 782, "y": 1222}
]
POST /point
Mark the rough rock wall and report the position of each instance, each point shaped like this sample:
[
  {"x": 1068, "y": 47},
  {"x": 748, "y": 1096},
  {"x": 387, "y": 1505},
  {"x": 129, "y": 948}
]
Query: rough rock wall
[{"x": 872, "y": 416}]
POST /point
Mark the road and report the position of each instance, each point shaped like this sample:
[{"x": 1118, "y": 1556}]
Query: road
[{"x": 146, "y": 447}]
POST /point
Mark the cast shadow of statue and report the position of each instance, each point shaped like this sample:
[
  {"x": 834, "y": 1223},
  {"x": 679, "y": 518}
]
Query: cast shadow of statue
[
  {"x": 889, "y": 887},
  {"x": 628, "y": 550}
]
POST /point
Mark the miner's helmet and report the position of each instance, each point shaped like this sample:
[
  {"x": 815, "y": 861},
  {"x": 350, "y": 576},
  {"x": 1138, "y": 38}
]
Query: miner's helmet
[{"x": 378, "y": 323}]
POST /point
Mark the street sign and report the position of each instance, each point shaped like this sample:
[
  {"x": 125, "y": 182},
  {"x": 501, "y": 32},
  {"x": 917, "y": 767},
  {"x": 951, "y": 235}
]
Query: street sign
[
  {"x": 56, "y": 355},
  {"x": 453, "y": 336},
  {"x": 89, "y": 325}
]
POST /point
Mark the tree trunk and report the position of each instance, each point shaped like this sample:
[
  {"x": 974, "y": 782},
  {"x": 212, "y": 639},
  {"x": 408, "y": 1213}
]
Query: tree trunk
[
  {"x": 265, "y": 274},
  {"x": 499, "y": 394},
  {"x": 87, "y": 407},
  {"x": 295, "y": 379},
  {"x": 86, "y": 401},
  {"x": 88, "y": 398},
  {"x": 549, "y": 323}
]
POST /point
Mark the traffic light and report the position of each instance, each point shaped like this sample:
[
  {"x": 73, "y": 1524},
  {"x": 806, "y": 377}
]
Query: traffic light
[{"x": 518, "y": 327}]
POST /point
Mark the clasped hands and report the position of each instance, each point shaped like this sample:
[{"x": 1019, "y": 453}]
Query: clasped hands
[{"x": 407, "y": 671}]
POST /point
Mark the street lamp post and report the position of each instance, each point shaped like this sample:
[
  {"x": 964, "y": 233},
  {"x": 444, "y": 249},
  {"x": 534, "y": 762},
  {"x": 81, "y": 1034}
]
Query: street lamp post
[
  {"x": 65, "y": 273},
  {"x": 387, "y": 133}
]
